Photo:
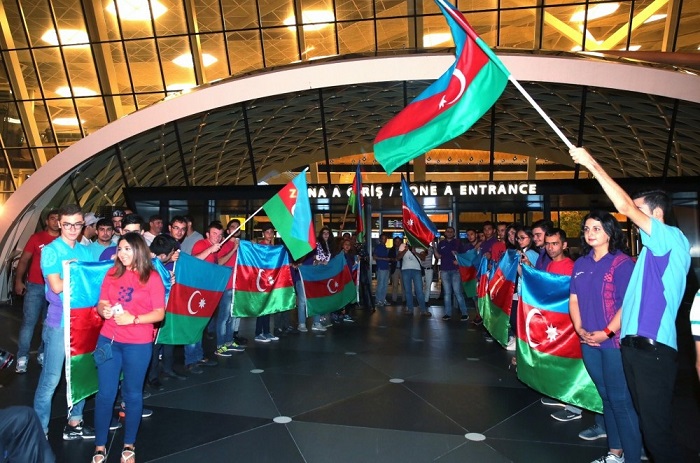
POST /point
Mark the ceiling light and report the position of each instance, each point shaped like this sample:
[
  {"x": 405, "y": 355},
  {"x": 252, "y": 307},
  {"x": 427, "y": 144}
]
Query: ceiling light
[
  {"x": 436, "y": 38},
  {"x": 180, "y": 87},
  {"x": 595, "y": 12},
  {"x": 137, "y": 10},
  {"x": 70, "y": 121},
  {"x": 655, "y": 17},
  {"x": 65, "y": 92},
  {"x": 12, "y": 120},
  {"x": 185, "y": 60},
  {"x": 312, "y": 20},
  {"x": 631, "y": 48},
  {"x": 68, "y": 37}
]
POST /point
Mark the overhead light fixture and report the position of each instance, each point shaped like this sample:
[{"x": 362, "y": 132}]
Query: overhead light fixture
[
  {"x": 312, "y": 20},
  {"x": 12, "y": 120},
  {"x": 594, "y": 12},
  {"x": 137, "y": 10},
  {"x": 68, "y": 37},
  {"x": 67, "y": 121},
  {"x": 436, "y": 38},
  {"x": 186, "y": 61},
  {"x": 655, "y": 17},
  {"x": 180, "y": 87},
  {"x": 65, "y": 92},
  {"x": 631, "y": 48}
]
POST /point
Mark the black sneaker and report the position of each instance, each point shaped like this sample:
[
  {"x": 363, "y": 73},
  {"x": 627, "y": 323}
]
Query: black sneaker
[
  {"x": 240, "y": 340},
  {"x": 446, "y": 317},
  {"x": 464, "y": 318},
  {"x": 81, "y": 431}
]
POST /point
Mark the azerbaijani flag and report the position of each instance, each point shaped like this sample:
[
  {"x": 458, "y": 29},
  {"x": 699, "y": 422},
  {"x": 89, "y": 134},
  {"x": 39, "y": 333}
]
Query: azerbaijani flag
[
  {"x": 420, "y": 230},
  {"x": 193, "y": 299},
  {"x": 451, "y": 105},
  {"x": 467, "y": 271},
  {"x": 262, "y": 281},
  {"x": 357, "y": 205},
  {"x": 81, "y": 292},
  {"x": 499, "y": 297},
  {"x": 327, "y": 287},
  {"x": 549, "y": 351},
  {"x": 290, "y": 212}
]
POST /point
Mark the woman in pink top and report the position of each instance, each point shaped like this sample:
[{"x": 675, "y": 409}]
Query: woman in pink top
[{"x": 132, "y": 299}]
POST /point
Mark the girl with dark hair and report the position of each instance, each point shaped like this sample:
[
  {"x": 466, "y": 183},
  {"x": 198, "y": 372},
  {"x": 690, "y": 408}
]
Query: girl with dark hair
[
  {"x": 511, "y": 233},
  {"x": 132, "y": 299},
  {"x": 598, "y": 286},
  {"x": 325, "y": 246},
  {"x": 527, "y": 256}
]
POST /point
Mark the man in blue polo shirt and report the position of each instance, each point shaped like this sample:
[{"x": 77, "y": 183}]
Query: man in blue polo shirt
[
  {"x": 381, "y": 257},
  {"x": 648, "y": 331}
]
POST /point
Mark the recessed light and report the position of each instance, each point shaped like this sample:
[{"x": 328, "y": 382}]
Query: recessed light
[
  {"x": 186, "y": 61},
  {"x": 137, "y": 10},
  {"x": 68, "y": 37},
  {"x": 65, "y": 92},
  {"x": 68, "y": 121},
  {"x": 595, "y": 12}
]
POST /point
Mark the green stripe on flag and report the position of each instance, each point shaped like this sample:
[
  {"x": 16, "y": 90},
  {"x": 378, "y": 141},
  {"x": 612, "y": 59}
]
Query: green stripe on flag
[
  {"x": 84, "y": 374},
  {"x": 255, "y": 304},
  {"x": 328, "y": 304},
  {"x": 469, "y": 288},
  {"x": 182, "y": 329},
  {"x": 496, "y": 321}
]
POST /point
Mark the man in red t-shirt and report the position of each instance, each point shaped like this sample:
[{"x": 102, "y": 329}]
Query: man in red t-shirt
[
  {"x": 33, "y": 290},
  {"x": 555, "y": 244},
  {"x": 499, "y": 248}
]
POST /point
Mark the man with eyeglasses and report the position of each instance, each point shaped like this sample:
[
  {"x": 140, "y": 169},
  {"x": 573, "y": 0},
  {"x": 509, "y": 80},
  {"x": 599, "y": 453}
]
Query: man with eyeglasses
[{"x": 65, "y": 247}]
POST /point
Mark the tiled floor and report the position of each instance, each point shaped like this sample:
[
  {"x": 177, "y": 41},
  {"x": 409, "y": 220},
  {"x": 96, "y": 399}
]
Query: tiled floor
[{"x": 389, "y": 388}]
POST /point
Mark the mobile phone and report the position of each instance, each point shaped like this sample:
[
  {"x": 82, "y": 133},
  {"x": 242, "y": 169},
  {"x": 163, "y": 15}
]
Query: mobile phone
[{"x": 117, "y": 309}]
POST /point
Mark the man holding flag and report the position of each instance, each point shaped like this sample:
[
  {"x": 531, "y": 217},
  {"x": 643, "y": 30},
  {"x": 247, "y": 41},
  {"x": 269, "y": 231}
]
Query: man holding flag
[{"x": 447, "y": 250}]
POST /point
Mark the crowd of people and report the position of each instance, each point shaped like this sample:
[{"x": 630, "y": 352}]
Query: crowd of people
[{"x": 624, "y": 312}]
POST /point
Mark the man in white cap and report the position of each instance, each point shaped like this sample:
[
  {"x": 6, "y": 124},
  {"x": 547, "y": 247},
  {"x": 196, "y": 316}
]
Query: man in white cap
[{"x": 89, "y": 231}]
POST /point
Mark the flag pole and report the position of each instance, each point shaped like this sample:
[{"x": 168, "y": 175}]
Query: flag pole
[
  {"x": 472, "y": 35},
  {"x": 239, "y": 227}
]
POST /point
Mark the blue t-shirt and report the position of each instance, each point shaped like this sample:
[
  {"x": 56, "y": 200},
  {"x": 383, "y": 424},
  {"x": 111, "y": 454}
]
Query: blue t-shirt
[
  {"x": 97, "y": 249},
  {"x": 381, "y": 251},
  {"x": 657, "y": 285},
  {"x": 52, "y": 257},
  {"x": 108, "y": 253}
]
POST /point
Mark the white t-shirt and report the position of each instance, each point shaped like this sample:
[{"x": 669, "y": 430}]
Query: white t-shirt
[{"x": 410, "y": 261}]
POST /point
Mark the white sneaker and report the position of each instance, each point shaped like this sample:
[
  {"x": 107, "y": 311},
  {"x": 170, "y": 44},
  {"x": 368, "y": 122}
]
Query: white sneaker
[
  {"x": 511, "y": 344},
  {"x": 302, "y": 327},
  {"x": 21, "y": 365},
  {"x": 40, "y": 359},
  {"x": 610, "y": 458},
  {"x": 318, "y": 327}
]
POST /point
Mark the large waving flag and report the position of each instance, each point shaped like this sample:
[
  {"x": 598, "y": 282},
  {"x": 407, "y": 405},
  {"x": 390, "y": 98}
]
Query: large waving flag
[
  {"x": 328, "y": 287},
  {"x": 81, "y": 292},
  {"x": 451, "y": 105},
  {"x": 499, "y": 297},
  {"x": 193, "y": 298},
  {"x": 549, "y": 351},
  {"x": 262, "y": 281},
  {"x": 290, "y": 213},
  {"x": 420, "y": 230},
  {"x": 357, "y": 205},
  {"x": 467, "y": 262}
]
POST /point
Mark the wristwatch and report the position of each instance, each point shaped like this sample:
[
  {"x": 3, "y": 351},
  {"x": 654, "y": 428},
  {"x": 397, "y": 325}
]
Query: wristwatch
[
  {"x": 608, "y": 332},
  {"x": 136, "y": 320}
]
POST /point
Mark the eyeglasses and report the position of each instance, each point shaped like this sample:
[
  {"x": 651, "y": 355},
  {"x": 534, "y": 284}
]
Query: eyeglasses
[
  {"x": 520, "y": 238},
  {"x": 72, "y": 226}
]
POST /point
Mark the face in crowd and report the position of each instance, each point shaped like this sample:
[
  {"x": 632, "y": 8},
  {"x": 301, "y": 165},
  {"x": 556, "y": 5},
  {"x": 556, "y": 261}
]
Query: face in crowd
[
  {"x": 554, "y": 246},
  {"x": 53, "y": 225},
  {"x": 538, "y": 236},
  {"x": 488, "y": 231},
  {"x": 105, "y": 233},
  {"x": 449, "y": 233},
  {"x": 178, "y": 230},
  {"x": 71, "y": 226},
  {"x": 214, "y": 235}
]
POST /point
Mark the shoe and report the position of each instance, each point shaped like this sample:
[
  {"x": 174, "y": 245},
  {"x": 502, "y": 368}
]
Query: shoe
[
  {"x": 318, "y": 327},
  {"x": 291, "y": 330},
  {"x": 115, "y": 424},
  {"x": 234, "y": 347},
  {"x": 426, "y": 314},
  {"x": 240, "y": 340},
  {"x": 272, "y": 337},
  {"x": 326, "y": 323},
  {"x": 80, "y": 431},
  {"x": 302, "y": 328},
  {"x": 145, "y": 412},
  {"x": 565, "y": 415},
  {"x": 279, "y": 332},
  {"x": 156, "y": 384},
  {"x": 593, "y": 433},
  {"x": 610, "y": 458},
  {"x": 205, "y": 362},
  {"x": 146, "y": 394},
  {"x": 511, "y": 344},
  {"x": 222, "y": 352},
  {"x": 488, "y": 337},
  {"x": 644, "y": 455},
  {"x": 446, "y": 317},
  {"x": 552, "y": 402},
  {"x": 40, "y": 359},
  {"x": 21, "y": 365},
  {"x": 195, "y": 369},
  {"x": 99, "y": 457},
  {"x": 174, "y": 375},
  {"x": 348, "y": 319},
  {"x": 464, "y": 318},
  {"x": 261, "y": 338},
  {"x": 128, "y": 454},
  {"x": 478, "y": 321}
]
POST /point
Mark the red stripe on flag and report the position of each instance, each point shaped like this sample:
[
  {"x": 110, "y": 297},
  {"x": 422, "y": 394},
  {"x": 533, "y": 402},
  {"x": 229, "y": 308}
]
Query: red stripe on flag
[
  {"x": 501, "y": 291},
  {"x": 467, "y": 273},
  {"x": 328, "y": 287},
  {"x": 192, "y": 302},
  {"x": 254, "y": 279},
  {"x": 548, "y": 332},
  {"x": 85, "y": 325}
]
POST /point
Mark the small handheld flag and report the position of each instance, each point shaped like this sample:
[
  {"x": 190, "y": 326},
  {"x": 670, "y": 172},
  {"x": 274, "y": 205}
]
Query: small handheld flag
[{"x": 420, "y": 230}]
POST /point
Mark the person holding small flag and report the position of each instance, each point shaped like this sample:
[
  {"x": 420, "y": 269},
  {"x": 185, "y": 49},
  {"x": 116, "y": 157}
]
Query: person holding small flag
[
  {"x": 447, "y": 250},
  {"x": 412, "y": 279}
]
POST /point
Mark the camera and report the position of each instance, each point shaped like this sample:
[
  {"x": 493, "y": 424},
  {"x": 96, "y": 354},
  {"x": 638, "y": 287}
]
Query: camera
[{"x": 6, "y": 359}]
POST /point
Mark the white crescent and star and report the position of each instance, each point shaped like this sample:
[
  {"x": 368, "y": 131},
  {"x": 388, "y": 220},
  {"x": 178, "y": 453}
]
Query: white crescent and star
[
  {"x": 551, "y": 330},
  {"x": 189, "y": 303},
  {"x": 462, "y": 87},
  {"x": 335, "y": 286},
  {"x": 258, "y": 279}
]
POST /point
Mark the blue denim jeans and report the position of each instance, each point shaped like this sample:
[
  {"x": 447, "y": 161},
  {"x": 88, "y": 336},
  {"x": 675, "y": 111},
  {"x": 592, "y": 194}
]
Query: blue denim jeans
[
  {"x": 193, "y": 353},
  {"x": 54, "y": 356},
  {"x": 301, "y": 304},
  {"x": 452, "y": 284},
  {"x": 382, "y": 285},
  {"x": 33, "y": 308},
  {"x": 224, "y": 320},
  {"x": 132, "y": 360},
  {"x": 621, "y": 422},
  {"x": 413, "y": 281}
]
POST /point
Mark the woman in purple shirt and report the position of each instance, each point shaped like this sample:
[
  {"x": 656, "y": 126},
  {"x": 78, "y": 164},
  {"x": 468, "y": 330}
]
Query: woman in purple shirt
[{"x": 601, "y": 277}]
